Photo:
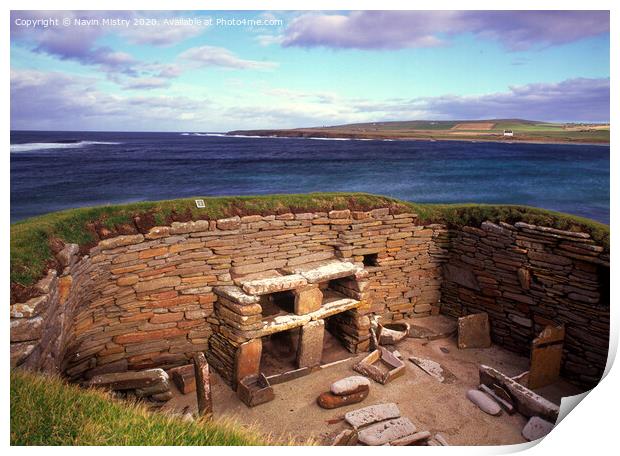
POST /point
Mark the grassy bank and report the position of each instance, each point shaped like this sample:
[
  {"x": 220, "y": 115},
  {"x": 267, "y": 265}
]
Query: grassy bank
[
  {"x": 46, "y": 411},
  {"x": 32, "y": 240}
]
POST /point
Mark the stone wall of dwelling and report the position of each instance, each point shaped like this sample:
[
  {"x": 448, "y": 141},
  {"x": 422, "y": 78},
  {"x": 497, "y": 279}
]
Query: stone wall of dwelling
[
  {"x": 526, "y": 277},
  {"x": 41, "y": 327},
  {"x": 147, "y": 300}
]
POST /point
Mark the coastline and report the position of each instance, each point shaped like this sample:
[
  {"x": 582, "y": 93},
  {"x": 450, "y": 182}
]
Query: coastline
[{"x": 324, "y": 135}]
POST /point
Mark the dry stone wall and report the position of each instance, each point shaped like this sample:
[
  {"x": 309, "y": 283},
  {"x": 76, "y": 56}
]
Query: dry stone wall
[
  {"x": 142, "y": 301},
  {"x": 149, "y": 300},
  {"x": 526, "y": 277}
]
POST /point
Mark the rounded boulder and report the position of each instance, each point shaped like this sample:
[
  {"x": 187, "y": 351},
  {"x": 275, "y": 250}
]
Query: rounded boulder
[{"x": 484, "y": 402}]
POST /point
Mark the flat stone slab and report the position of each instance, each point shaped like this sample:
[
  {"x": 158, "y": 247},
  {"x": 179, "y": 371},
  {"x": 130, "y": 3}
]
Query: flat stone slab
[
  {"x": 129, "y": 380},
  {"x": 484, "y": 402},
  {"x": 333, "y": 305},
  {"x": 280, "y": 323},
  {"x": 236, "y": 294},
  {"x": 546, "y": 357},
  {"x": 553, "y": 231},
  {"x": 474, "y": 331},
  {"x": 536, "y": 428},
  {"x": 386, "y": 431},
  {"x": 325, "y": 271},
  {"x": 460, "y": 275},
  {"x": 349, "y": 384},
  {"x": 433, "y": 327},
  {"x": 270, "y": 274},
  {"x": 273, "y": 284},
  {"x": 433, "y": 368},
  {"x": 372, "y": 414}
]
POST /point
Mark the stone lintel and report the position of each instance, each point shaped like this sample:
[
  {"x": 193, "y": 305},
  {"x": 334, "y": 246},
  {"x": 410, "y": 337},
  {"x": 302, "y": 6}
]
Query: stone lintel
[
  {"x": 324, "y": 271},
  {"x": 273, "y": 284},
  {"x": 236, "y": 294}
]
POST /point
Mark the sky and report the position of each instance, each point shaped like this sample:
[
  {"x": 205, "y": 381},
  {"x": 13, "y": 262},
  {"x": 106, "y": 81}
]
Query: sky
[{"x": 220, "y": 71}]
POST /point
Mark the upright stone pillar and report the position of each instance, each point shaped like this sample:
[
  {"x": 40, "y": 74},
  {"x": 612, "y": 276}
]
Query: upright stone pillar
[
  {"x": 247, "y": 360},
  {"x": 203, "y": 386},
  {"x": 310, "y": 348},
  {"x": 308, "y": 299}
]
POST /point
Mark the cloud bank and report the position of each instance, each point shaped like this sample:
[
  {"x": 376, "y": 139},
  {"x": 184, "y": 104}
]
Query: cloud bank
[
  {"x": 579, "y": 100},
  {"x": 515, "y": 30},
  {"x": 51, "y": 100}
]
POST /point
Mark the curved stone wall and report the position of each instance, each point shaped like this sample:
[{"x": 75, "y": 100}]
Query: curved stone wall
[{"x": 140, "y": 301}]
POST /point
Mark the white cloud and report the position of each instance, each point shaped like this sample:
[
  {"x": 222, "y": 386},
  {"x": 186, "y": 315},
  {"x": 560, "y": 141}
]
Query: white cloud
[
  {"x": 58, "y": 101},
  {"x": 145, "y": 83},
  {"x": 516, "y": 30},
  {"x": 212, "y": 56}
]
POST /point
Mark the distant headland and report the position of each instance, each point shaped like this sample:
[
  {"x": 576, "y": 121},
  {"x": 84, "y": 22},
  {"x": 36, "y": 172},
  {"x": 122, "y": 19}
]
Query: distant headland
[{"x": 496, "y": 130}]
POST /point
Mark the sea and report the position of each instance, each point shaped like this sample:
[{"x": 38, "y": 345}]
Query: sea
[{"x": 51, "y": 171}]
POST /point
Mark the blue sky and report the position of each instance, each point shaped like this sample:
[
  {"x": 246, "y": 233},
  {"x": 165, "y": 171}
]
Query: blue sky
[{"x": 305, "y": 69}]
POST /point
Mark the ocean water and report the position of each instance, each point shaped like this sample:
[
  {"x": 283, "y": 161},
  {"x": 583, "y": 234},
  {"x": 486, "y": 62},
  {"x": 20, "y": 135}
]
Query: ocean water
[{"x": 51, "y": 171}]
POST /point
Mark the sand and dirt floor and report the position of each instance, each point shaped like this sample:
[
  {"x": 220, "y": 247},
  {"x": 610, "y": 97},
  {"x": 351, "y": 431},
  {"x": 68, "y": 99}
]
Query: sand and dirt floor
[{"x": 436, "y": 407}]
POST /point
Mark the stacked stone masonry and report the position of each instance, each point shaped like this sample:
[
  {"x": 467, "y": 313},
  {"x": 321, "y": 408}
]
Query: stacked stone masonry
[
  {"x": 153, "y": 300},
  {"x": 526, "y": 277},
  {"x": 142, "y": 301}
]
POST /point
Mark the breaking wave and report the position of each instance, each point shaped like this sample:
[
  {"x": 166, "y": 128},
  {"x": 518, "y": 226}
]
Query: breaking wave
[
  {"x": 27, "y": 147},
  {"x": 225, "y": 135}
]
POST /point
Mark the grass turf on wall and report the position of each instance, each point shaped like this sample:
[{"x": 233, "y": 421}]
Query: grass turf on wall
[
  {"x": 30, "y": 249},
  {"x": 47, "y": 411}
]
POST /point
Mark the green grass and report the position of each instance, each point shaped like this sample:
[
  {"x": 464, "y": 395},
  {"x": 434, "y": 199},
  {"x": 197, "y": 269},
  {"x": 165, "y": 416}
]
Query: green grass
[
  {"x": 402, "y": 125},
  {"x": 30, "y": 251},
  {"x": 47, "y": 411}
]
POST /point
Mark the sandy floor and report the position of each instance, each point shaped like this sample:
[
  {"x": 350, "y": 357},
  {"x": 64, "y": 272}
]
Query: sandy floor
[{"x": 432, "y": 406}]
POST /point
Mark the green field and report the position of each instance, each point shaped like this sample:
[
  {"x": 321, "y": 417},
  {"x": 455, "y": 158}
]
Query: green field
[
  {"x": 472, "y": 130},
  {"x": 32, "y": 239},
  {"x": 402, "y": 125},
  {"x": 48, "y": 411}
]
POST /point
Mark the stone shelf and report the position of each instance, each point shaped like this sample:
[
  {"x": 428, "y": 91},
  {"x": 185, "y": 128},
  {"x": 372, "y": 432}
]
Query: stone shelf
[
  {"x": 273, "y": 284},
  {"x": 333, "y": 304},
  {"x": 236, "y": 295},
  {"x": 327, "y": 270}
]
